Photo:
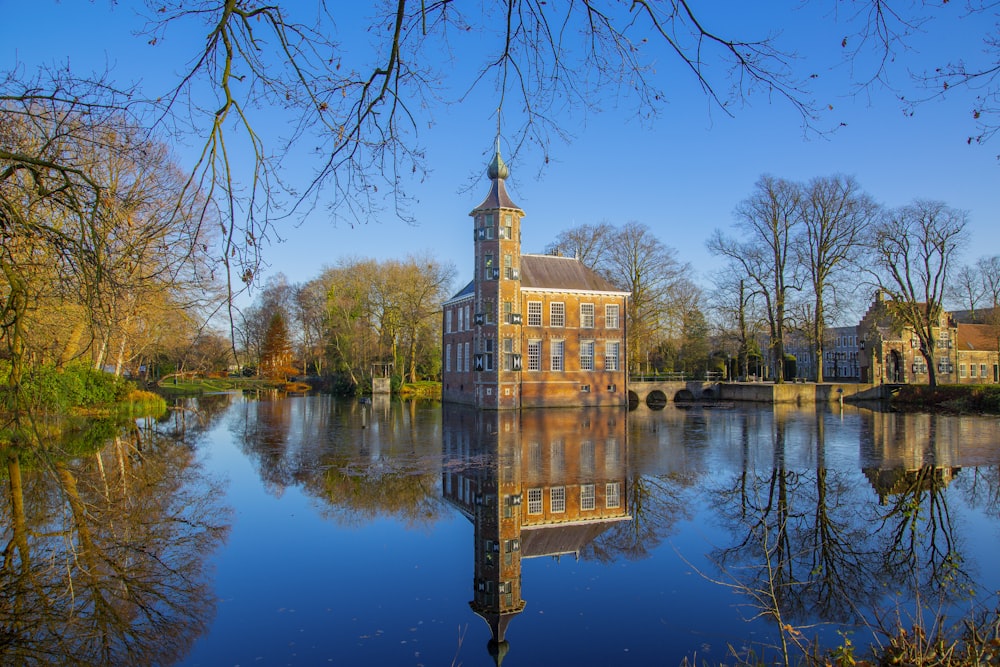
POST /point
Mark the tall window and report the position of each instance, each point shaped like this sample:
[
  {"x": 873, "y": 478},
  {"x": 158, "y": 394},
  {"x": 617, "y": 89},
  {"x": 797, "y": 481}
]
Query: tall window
[
  {"x": 612, "y": 495},
  {"x": 587, "y": 315},
  {"x": 467, "y": 345},
  {"x": 447, "y": 320},
  {"x": 508, "y": 266},
  {"x": 557, "y": 314},
  {"x": 557, "y": 499},
  {"x": 461, "y": 322},
  {"x": 488, "y": 354},
  {"x": 488, "y": 266},
  {"x": 534, "y": 313},
  {"x": 556, "y": 350},
  {"x": 489, "y": 308},
  {"x": 611, "y": 360},
  {"x": 587, "y": 355},
  {"x": 508, "y": 226},
  {"x": 447, "y": 358},
  {"x": 611, "y": 316},
  {"x": 534, "y": 355},
  {"x": 587, "y": 497},
  {"x": 508, "y": 354},
  {"x": 534, "y": 501}
]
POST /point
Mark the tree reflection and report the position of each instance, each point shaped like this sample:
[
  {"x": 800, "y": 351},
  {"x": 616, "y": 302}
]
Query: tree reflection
[
  {"x": 104, "y": 553},
  {"x": 801, "y": 550},
  {"x": 360, "y": 460}
]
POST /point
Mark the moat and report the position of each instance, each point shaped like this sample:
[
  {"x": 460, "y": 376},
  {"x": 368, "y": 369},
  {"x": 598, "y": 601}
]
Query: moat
[{"x": 314, "y": 530}]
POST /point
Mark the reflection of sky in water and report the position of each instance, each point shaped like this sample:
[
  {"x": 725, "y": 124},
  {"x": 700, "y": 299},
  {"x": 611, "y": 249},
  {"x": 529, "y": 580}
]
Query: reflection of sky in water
[{"x": 302, "y": 582}]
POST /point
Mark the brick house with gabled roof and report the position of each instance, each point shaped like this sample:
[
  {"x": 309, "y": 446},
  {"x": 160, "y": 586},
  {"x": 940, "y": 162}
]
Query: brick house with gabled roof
[
  {"x": 530, "y": 330},
  {"x": 965, "y": 353}
]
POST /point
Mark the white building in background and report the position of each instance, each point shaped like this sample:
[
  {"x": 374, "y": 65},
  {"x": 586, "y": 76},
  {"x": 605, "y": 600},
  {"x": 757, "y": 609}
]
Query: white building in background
[{"x": 840, "y": 354}]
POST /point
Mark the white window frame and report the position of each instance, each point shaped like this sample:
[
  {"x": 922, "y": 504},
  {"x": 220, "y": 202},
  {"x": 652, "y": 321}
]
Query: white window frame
[
  {"x": 612, "y": 355},
  {"x": 557, "y": 314},
  {"x": 447, "y": 320},
  {"x": 447, "y": 358},
  {"x": 534, "y": 355},
  {"x": 534, "y": 501},
  {"x": 612, "y": 495},
  {"x": 557, "y": 355},
  {"x": 611, "y": 316},
  {"x": 587, "y": 316},
  {"x": 557, "y": 499},
  {"x": 534, "y": 313},
  {"x": 588, "y": 498},
  {"x": 586, "y": 355}
]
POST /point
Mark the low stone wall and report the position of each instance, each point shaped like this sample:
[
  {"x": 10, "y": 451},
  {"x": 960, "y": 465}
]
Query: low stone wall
[
  {"x": 801, "y": 394},
  {"x": 758, "y": 392}
]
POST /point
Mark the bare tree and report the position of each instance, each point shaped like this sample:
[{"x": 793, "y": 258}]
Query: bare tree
[
  {"x": 766, "y": 223},
  {"x": 836, "y": 215},
  {"x": 587, "y": 243},
  {"x": 639, "y": 262},
  {"x": 915, "y": 247}
]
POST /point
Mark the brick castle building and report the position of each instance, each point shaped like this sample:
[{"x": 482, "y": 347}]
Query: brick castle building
[{"x": 530, "y": 330}]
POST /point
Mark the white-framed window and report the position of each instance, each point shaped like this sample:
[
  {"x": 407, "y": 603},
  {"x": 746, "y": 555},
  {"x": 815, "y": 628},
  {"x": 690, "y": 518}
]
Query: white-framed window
[
  {"x": 508, "y": 266},
  {"x": 447, "y": 358},
  {"x": 534, "y": 313},
  {"x": 611, "y": 316},
  {"x": 467, "y": 346},
  {"x": 508, "y": 226},
  {"x": 586, "y": 316},
  {"x": 611, "y": 350},
  {"x": 534, "y": 501},
  {"x": 973, "y": 371},
  {"x": 557, "y": 499},
  {"x": 534, "y": 355},
  {"x": 982, "y": 371},
  {"x": 961, "y": 370},
  {"x": 447, "y": 320},
  {"x": 461, "y": 320},
  {"x": 588, "y": 497},
  {"x": 488, "y": 266},
  {"x": 556, "y": 355},
  {"x": 557, "y": 314},
  {"x": 508, "y": 354},
  {"x": 612, "y": 495},
  {"x": 586, "y": 355}
]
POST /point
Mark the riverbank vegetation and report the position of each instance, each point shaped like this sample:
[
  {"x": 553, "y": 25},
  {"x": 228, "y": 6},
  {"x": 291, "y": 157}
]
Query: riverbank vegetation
[{"x": 979, "y": 399}]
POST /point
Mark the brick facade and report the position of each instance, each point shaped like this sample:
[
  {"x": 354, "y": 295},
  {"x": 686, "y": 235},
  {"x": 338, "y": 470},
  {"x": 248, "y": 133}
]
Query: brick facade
[{"x": 530, "y": 330}]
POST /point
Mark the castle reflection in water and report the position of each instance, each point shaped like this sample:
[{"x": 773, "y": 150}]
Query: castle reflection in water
[{"x": 534, "y": 483}]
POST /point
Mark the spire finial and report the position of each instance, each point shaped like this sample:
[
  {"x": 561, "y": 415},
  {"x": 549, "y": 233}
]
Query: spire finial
[{"x": 497, "y": 169}]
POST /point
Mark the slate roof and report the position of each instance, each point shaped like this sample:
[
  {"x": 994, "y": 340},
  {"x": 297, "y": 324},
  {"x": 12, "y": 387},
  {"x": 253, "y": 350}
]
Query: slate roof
[
  {"x": 468, "y": 290},
  {"x": 551, "y": 272},
  {"x": 553, "y": 540},
  {"x": 497, "y": 198},
  {"x": 978, "y": 337}
]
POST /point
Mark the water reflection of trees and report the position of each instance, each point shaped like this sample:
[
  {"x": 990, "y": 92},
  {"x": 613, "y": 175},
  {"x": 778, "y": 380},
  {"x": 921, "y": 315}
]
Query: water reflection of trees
[
  {"x": 104, "y": 553},
  {"x": 819, "y": 544},
  {"x": 360, "y": 460},
  {"x": 800, "y": 548}
]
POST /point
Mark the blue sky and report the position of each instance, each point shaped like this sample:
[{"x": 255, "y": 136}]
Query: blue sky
[{"x": 681, "y": 174}]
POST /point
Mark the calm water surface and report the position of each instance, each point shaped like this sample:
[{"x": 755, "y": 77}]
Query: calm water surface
[{"x": 315, "y": 530}]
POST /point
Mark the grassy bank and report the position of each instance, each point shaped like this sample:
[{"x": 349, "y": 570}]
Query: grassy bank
[{"x": 958, "y": 398}]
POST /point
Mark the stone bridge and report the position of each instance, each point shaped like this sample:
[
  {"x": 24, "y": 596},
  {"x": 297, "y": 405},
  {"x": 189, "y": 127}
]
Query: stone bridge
[{"x": 656, "y": 394}]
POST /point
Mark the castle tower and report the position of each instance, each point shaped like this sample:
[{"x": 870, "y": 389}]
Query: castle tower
[{"x": 497, "y": 290}]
